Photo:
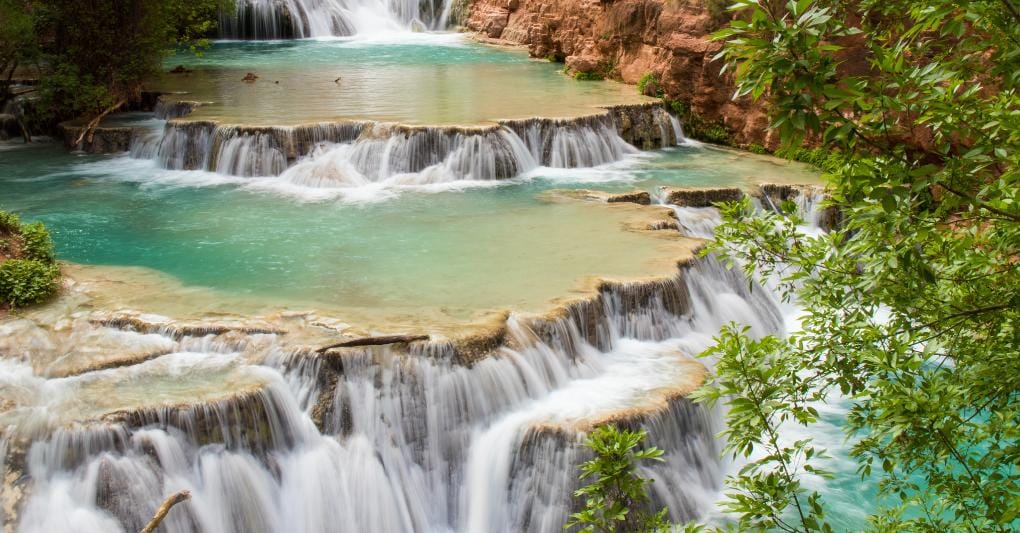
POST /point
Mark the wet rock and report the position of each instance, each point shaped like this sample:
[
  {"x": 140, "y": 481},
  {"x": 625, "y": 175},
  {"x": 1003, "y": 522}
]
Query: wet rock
[
  {"x": 250, "y": 77},
  {"x": 248, "y": 419},
  {"x": 9, "y": 127},
  {"x": 104, "y": 140},
  {"x": 638, "y": 197},
  {"x": 179, "y": 330},
  {"x": 647, "y": 126},
  {"x": 806, "y": 196},
  {"x": 167, "y": 109},
  {"x": 179, "y": 69},
  {"x": 701, "y": 196}
]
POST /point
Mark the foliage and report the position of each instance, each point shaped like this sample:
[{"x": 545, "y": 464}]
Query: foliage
[
  {"x": 28, "y": 275},
  {"x": 37, "y": 243},
  {"x": 824, "y": 159},
  {"x": 759, "y": 381},
  {"x": 616, "y": 500},
  {"x": 757, "y": 149},
  {"x": 17, "y": 43},
  {"x": 27, "y": 281},
  {"x": 9, "y": 222},
  {"x": 95, "y": 53},
  {"x": 911, "y": 308},
  {"x": 650, "y": 85}
]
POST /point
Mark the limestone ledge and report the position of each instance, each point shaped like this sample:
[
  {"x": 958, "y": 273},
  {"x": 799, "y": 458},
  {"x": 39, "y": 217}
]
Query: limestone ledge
[{"x": 644, "y": 125}]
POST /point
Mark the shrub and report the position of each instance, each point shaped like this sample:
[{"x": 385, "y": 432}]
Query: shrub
[
  {"x": 27, "y": 281},
  {"x": 649, "y": 85},
  {"x": 825, "y": 160},
  {"x": 588, "y": 76},
  {"x": 9, "y": 222},
  {"x": 37, "y": 242},
  {"x": 756, "y": 149},
  {"x": 617, "y": 497}
]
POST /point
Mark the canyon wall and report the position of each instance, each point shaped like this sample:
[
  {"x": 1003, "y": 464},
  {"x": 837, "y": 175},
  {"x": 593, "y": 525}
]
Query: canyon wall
[{"x": 629, "y": 39}]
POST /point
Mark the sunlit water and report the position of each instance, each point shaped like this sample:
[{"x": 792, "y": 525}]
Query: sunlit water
[
  {"x": 440, "y": 455},
  {"x": 459, "y": 252},
  {"x": 409, "y": 78}
]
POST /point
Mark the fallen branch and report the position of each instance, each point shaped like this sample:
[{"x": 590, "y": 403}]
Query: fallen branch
[
  {"x": 168, "y": 503},
  {"x": 90, "y": 129},
  {"x": 375, "y": 341},
  {"x": 24, "y": 130}
]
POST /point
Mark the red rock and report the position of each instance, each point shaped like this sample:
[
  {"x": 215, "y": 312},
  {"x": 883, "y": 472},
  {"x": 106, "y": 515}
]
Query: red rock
[{"x": 663, "y": 37}]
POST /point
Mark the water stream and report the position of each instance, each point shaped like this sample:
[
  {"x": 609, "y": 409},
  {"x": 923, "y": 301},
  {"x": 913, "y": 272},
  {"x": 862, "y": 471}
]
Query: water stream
[
  {"x": 212, "y": 257},
  {"x": 296, "y": 19}
]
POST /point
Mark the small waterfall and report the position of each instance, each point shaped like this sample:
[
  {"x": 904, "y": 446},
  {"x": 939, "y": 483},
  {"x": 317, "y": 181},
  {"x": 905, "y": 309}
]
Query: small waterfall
[
  {"x": 298, "y": 19},
  {"x": 348, "y": 154},
  {"x": 678, "y": 130},
  {"x": 808, "y": 199}
]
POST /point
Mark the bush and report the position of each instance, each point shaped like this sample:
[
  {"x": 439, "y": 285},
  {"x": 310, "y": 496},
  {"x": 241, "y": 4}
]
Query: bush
[
  {"x": 27, "y": 281},
  {"x": 825, "y": 160},
  {"x": 588, "y": 76},
  {"x": 37, "y": 242},
  {"x": 757, "y": 149},
  {"x": 617, "y": 497},
  {"x": 649, "y": 85},
  {"x": 9, "y": 222}
]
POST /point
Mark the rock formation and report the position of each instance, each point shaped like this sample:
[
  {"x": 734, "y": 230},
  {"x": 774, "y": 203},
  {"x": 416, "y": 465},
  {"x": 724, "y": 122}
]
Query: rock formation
[{"x": 667, "y": 41}]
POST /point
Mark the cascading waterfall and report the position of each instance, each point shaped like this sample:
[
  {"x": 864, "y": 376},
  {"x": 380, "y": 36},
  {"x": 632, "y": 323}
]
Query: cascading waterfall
[
  {"x": 349, "y": 154},
  {"x": 411, "y": 441},
  {"x": 298, "y": 19}
]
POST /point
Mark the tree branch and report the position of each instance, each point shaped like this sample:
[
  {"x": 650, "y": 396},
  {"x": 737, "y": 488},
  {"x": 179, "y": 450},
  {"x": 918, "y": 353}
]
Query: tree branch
[
  {"x": 90, "y": 129},
  {"x": 161, "y": 513}
]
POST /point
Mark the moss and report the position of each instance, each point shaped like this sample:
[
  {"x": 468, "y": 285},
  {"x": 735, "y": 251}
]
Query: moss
[
  {"x": 696, "y": 127},
  {"x": 588, "y": 76}
]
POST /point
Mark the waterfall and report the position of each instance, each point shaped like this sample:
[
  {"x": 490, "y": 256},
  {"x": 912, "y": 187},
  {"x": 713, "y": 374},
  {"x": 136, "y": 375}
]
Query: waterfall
[
  {"x": 378, "y": 439},
  {"x": 351, "y": 154},
  {"x": 298, "y": 19}
]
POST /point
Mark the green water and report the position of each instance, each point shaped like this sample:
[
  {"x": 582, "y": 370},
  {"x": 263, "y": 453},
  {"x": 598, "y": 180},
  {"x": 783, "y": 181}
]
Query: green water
[
  {"x": 458, "y": 247},
  {"x": 431, "y": 79}
]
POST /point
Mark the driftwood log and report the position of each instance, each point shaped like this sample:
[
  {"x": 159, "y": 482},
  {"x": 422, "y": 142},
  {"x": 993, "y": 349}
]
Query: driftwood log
[
  {"x": 90, "y": 129},
  {"x": 161, "y": 513},
  {"x": 374, "y": 341}
]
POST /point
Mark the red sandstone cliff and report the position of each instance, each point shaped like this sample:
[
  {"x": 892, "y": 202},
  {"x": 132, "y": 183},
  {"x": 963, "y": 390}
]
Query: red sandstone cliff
[{"x": 626, "y": 39}]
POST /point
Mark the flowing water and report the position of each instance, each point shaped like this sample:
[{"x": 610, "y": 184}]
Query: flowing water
[
  {"x": 284, "y": 19},
  {"x": 210, "y": 261}
]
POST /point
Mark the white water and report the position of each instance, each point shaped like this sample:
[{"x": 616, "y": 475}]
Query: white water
[
  {"x": 366, "y": 161},
  {"x": 281, "y": 19},
  {"x": 409, "y": 442}
]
